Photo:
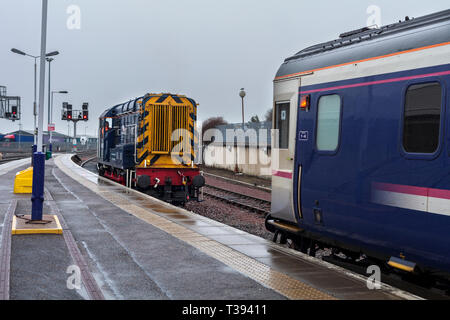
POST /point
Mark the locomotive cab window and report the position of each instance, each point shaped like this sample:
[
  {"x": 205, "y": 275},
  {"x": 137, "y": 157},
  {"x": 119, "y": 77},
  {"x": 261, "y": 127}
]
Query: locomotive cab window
[
  {"x": 105, "y": 125},
  {"x": 282, "y": 124},
  {"x": 328, "y": 122},
  {"x": 422, "y": 118}
]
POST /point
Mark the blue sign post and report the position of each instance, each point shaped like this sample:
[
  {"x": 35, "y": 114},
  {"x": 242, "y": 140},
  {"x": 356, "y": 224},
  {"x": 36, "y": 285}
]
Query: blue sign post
[{"x": 37, "y": 196}]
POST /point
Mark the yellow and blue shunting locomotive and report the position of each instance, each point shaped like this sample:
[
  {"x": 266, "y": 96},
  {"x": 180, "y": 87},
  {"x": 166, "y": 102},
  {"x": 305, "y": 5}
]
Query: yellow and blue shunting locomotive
[{"x": 149, "y": 143}]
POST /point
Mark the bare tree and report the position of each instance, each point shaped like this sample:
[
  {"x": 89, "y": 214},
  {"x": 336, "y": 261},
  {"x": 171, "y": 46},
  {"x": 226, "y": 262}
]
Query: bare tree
[
  {"x": 254, "y": 119},
  {"x": 269, "y": 114},
  {"x": 212, "y": 122}
]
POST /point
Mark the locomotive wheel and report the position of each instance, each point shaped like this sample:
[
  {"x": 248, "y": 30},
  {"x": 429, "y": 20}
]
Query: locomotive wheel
[
  {"x": 181, "y": 204},
  {"x": 303, "y": 246},
  {"x": 299, "y": 244},
  {"x": 312, "y": 248}
]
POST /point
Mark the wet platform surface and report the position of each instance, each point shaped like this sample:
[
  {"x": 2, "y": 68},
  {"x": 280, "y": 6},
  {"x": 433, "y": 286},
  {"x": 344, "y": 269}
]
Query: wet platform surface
[{"x": 137, "y": 247}]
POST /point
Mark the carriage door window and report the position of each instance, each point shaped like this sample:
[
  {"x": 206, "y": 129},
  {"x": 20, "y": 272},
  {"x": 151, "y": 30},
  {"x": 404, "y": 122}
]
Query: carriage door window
[
  {"x": 282, "y": 124},
  {"x": 421, "y": 124},
  {"x": 328, "y": 122}
]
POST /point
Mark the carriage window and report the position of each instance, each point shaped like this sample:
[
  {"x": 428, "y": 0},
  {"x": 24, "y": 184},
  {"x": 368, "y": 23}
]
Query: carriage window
[
  {"x": 282, "y": 124},
  {"x": 422, "y": 118},
  {"x": 328, "y": 122}
]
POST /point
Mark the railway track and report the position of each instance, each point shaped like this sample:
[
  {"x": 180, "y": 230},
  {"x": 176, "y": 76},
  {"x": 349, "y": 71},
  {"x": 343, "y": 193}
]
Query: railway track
[
  {"x": 87, "y": 160},
  {"x": 252, "y": 185},
  {"x": 254, "y": 204},
  {"x": 5, "y": 160}
]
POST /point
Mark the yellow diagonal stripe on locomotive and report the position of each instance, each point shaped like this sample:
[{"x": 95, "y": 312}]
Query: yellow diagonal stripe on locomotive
[{"x": 161, "y": 115}]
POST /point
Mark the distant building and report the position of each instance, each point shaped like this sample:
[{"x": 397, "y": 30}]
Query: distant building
[
  {"x": 245, "y": 150},
  {"x": 19, "y": 136},
  {"x": 85, "y": 139},
  {"x": 23, "y": 139},
  {"x": 262, "y": 131},
  {"x": 28, "y": 136}
]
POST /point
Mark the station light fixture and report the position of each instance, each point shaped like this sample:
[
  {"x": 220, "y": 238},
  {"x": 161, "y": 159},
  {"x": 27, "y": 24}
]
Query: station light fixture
[{"x": 53, "y": 53}]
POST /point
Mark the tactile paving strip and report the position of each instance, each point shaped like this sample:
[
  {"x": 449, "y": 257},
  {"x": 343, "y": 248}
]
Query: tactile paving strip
[
  {"x": 89, "y": 282},
  {"x": 263, "y": 274}
]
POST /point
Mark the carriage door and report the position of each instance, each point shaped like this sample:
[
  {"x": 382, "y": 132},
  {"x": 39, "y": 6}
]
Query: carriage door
[
  {"x": 318, "y": 136},
  {"x": 282, "y": 124},
  {"x": 303, "y": 149}
]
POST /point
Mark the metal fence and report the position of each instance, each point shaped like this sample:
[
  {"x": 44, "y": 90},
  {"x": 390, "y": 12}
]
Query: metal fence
[{"x": 25, "y": 147}]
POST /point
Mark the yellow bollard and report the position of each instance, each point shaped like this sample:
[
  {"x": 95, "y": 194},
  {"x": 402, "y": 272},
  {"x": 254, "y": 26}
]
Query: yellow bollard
[{"x": 23, "y": 183}]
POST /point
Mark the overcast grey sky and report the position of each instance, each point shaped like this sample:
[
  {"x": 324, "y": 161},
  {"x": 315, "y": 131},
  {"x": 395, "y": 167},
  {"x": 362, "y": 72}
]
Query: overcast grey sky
[{"x": 205, "y": 49}]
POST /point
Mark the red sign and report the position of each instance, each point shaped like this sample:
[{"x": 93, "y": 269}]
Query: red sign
[{"x": 51, "y": 127}]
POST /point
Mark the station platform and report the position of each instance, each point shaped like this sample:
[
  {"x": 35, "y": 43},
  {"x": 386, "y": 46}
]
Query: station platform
[{"x": 127, "y": 245}]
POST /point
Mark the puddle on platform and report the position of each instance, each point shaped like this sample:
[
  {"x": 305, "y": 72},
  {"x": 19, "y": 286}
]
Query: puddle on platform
[
  {"x": 165, "y": 210},
  {"x": 179, "y": 216},
  {"x": 158, "y": 208}
]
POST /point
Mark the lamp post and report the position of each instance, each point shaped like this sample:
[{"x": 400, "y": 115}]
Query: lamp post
[
  {"x": 87, "y": 139},
  {"x": 242, "y": 95},
  {"x": 37, "y": 197},
  {"x": 51, "y": 110},
  {"x": 54, "y": 53},
  {"x": 49, "y": 60}
]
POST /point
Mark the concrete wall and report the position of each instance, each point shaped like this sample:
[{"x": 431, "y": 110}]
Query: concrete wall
[{"x": 250, "y": 160}]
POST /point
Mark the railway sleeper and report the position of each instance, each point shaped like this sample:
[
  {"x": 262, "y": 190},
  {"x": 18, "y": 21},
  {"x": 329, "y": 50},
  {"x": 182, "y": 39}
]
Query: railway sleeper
[{"x": 237, "y": 203}]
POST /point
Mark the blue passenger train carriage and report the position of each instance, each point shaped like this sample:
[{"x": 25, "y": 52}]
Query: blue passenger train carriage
[{"x": 363, "y": 145}]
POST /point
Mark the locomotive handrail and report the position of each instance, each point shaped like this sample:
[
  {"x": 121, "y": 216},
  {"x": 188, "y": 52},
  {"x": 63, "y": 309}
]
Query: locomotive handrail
[{"x": 135, "y": 144}]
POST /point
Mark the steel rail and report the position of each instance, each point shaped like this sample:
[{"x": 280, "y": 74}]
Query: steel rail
[{"x": 236, "y": 199}]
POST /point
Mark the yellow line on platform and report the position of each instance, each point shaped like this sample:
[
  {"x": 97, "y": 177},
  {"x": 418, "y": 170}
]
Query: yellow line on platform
[{"x": 261, "y": 273}]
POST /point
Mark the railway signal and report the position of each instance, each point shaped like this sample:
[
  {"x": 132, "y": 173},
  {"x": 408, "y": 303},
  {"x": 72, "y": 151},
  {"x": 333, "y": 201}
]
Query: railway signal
[
  {"x": 14, "y": 112},
  {"x": 69, "y": 114},
  {"x": 64, "y": 111},
  {"x": 9, "y": 106},
  {"x": 85, "y": 111}
]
